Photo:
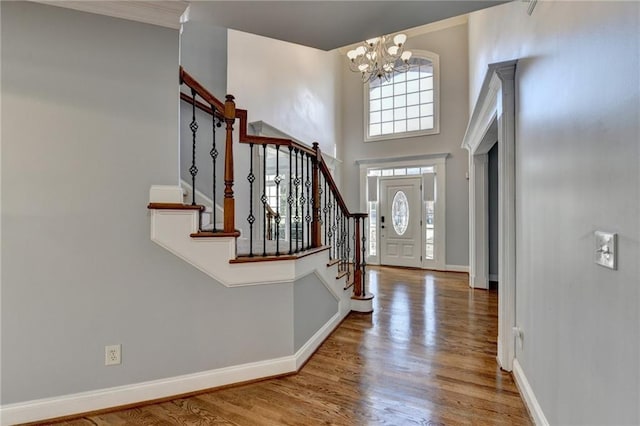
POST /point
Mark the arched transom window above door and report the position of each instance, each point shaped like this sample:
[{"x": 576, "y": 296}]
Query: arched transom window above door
[{"x": 407, "y": 104}]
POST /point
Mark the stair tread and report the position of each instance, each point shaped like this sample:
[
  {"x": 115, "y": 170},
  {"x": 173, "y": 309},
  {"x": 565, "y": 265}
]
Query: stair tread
[
  {"x": 174, "y": 206},
  {"x": 217, "y": 234},
  {"x": 270, "y": 257}
]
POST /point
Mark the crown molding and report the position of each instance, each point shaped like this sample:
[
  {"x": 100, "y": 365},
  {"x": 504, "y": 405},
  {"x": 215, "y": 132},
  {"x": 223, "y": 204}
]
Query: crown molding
[
  {"x": 485, "y": 110},
  {"x": 161, "y": 13}
]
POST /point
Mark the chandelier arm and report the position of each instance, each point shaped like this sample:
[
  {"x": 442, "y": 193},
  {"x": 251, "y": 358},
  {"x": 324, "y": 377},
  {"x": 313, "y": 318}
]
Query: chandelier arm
[{"x": 373, "y": 58}]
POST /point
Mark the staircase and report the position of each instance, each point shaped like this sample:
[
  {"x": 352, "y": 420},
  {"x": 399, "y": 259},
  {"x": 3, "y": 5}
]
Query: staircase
[{"x": 292, "y": 220}]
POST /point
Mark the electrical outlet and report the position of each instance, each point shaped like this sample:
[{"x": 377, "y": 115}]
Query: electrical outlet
[{"x": 112, "y": 355}]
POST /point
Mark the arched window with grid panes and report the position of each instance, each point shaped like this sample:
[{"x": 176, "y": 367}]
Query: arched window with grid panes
[{"x": 407, "y": 104}]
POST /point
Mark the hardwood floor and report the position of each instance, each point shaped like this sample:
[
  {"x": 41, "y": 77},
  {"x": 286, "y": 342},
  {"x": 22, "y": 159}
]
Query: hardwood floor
[{"x": 425, "y": 357}]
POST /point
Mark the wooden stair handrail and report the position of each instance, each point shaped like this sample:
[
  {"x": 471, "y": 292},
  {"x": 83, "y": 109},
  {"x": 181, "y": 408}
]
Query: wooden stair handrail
[
  {"x": 244, "y": 137},
  {"x": 188, "y": 80},
  {"x": 201, "y": 106},
  {"x": 334, "y": 188}
]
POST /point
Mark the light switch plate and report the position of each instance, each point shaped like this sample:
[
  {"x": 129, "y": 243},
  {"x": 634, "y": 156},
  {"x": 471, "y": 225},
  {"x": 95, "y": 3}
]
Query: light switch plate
[{"x": 607, "y": 249}]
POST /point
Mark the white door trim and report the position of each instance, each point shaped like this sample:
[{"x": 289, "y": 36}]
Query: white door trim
[
  {"x": 438, "y": 162},
  {"x": 494, "y": 110}
]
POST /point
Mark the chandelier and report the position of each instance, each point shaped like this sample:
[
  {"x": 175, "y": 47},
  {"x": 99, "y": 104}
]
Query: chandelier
[{"x": 380, "y": 57}]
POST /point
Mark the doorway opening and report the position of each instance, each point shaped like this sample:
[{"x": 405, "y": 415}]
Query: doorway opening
[
  {"x": 405, "y": 199},
  {"x": 492, "y": 215},
  {"x": 493, "y": 118}
]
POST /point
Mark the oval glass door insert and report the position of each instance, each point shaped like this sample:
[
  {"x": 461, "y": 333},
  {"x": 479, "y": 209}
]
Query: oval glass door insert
[{"x": 400, "y": 212}]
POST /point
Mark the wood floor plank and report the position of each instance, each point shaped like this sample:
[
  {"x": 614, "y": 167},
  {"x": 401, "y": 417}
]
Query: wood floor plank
[{"x": 426, "y": 356}]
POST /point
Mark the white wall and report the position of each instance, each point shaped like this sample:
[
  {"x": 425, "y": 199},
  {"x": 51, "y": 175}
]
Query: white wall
[
  {"x": 451, "y": 45},
  {"x": 577, "y": 171},
  {"x": 294, "y": 88}
]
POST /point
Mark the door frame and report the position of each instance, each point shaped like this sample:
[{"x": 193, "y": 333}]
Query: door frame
[
  {"x": 438, "y": 162},
  {"x": 493, "y": 118},
  {"x": 420, "y": 237}
]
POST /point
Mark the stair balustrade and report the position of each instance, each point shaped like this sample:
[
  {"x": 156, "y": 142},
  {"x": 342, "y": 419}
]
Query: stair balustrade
[{"x": 294, "y": 203}]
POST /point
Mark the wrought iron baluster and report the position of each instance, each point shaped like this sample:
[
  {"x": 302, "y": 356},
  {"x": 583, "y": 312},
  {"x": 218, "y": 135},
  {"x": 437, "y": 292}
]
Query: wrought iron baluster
[
  {"x": 290, "y": 200},
  {"x": 264, "y": 200},
  {"x": 325, "y": 210},
  {"x": 309, "y": 201},
  {"x": 277, "y": 180},
  {"x": 345, "y": 221},
  {"x": 193, "y": 170},
  {"x": 302, "y": 199},
  {"x": 214, "y": 156},
  {"x": 346, "y": 236},
  {"x": 251, "y": 218},
  {"x": 342, "y": 239},
  {"x": 338, "y": 236},
  {"x": 332, "y": 226},
  {"x": 296, "y": 182},
  {"x": 341, "y": 231},
  {"x": 336, "y": 228},
  {"x": 320, "y": 195}
]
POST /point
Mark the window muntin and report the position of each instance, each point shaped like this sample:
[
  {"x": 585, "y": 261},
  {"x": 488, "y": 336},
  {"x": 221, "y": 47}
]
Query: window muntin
[
  {"x": 402, "y": 171},
  {"x": 407, "y": 104}
]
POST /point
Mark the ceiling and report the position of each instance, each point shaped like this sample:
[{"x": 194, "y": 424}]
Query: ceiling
[{"x": 329, "y": 25}]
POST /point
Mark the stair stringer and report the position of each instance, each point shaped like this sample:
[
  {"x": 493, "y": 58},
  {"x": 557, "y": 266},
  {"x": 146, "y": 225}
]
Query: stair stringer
[{"x": 172, "y": 229}]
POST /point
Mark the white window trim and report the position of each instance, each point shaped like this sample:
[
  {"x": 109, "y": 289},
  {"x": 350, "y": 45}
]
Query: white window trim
[{"x": 435, "y": 60}]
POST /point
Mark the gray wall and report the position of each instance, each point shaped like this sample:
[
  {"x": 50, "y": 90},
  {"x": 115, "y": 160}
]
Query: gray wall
[
  {"x": 203, "y": 53},
  {"x": 577, "y": 171},
  {"x": 451, "y": 45},
  {"x": 314, "y": 305},
  {"x": 89, "y": 106}
]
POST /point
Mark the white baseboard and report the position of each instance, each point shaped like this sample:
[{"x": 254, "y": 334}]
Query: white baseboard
[
  {"x": 457, "y": 268},
  {"x": 101, "y": 399},
  {"x": 447, "y": 268},
  {"x": 305, "y": 352},
  {"x": 528, "y": 396},
  {"x": 112, "y": 397}
]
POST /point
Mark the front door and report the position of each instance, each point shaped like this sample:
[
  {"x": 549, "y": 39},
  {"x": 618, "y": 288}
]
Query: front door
[{"x": 400, "y": 222}]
